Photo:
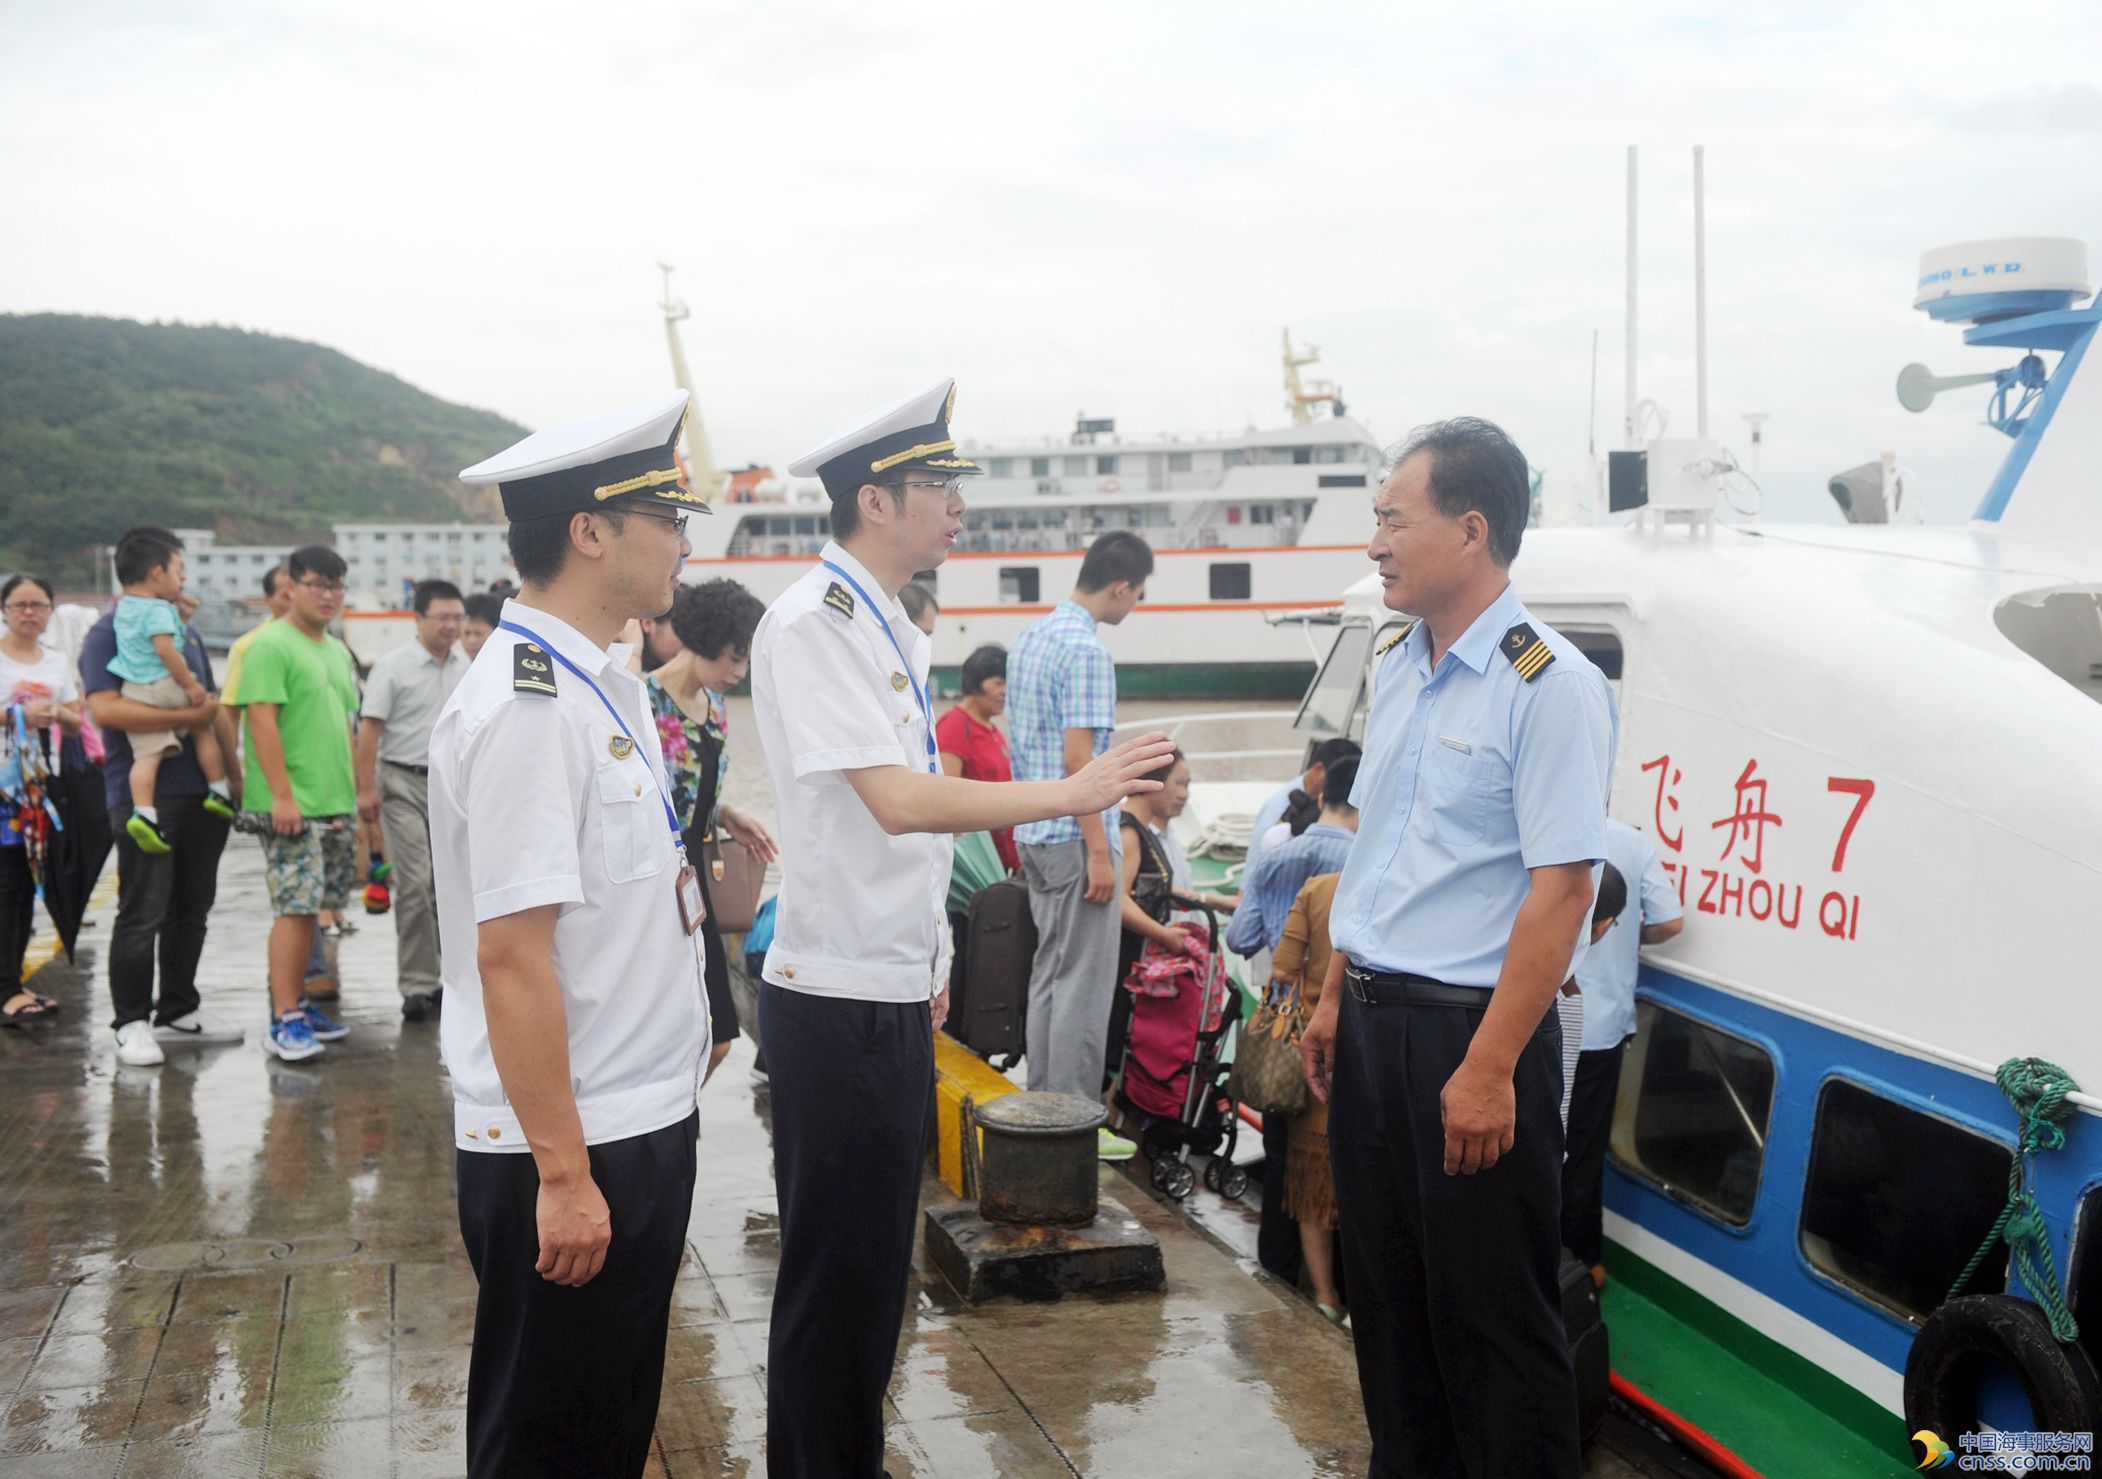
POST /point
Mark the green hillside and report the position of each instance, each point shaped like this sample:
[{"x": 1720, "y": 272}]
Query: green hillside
[{"x": 105, "y": 423}]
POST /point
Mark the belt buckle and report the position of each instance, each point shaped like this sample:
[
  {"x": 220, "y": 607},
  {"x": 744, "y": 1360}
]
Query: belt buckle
[{"x": 1354, "y": 979}]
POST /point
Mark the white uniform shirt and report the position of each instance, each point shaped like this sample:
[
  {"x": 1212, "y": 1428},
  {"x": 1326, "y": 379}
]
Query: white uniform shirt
[
  {"x": 407, "y": 689},
  {"x": 539, "y": 799},
  {"x": 862, "y": 914}
]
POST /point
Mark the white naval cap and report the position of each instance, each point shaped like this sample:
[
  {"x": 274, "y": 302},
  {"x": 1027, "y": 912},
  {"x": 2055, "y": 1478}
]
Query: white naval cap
[
  {"x": 581, "y": 464},
  {"x": 913, "y": 432}
]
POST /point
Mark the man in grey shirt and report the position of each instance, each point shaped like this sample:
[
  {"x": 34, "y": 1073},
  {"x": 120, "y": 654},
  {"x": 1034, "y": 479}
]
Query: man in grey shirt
[{"x": 402, "y": 699}]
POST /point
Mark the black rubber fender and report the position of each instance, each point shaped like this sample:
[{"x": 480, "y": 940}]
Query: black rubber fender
[{"x": 1951, "y": 1352}]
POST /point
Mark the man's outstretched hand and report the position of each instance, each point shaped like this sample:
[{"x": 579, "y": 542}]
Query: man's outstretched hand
[{"x": 1114, "y": 774}]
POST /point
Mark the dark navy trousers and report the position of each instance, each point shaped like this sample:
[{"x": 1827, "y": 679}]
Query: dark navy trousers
[
  {"x": 564, "y": 1383},
  {"x": 1455, "y": 1304},
  {"x": 852, "y": 1082}
]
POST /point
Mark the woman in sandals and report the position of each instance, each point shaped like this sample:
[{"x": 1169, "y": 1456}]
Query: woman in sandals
[{"x": 40, "y": 682}]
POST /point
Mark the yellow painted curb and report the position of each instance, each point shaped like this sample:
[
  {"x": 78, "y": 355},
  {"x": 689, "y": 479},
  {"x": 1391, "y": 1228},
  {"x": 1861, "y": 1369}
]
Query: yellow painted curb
[{"x": 958, "y": 1074}]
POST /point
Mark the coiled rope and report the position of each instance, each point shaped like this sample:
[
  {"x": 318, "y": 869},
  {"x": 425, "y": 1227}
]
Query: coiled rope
[{"x": 2038, "y": 1092}]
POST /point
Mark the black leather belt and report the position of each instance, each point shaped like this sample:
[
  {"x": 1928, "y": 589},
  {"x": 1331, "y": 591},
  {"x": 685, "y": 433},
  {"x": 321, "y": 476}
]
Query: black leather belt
[
  {"x": 411, "y": 769},
  {"x": 1385, "y": 988}
]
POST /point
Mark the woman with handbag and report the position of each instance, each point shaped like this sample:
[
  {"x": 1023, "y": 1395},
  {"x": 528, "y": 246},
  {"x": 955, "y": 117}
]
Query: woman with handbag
[
  {"x": 41, "y": 684},
  {"x": 1297, "y": 970},
  {"x": 688, "y": 693}
]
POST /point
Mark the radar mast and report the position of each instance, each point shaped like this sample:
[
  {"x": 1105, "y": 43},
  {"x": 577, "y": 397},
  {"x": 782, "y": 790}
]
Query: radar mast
[{"x": 702, "y": 474}]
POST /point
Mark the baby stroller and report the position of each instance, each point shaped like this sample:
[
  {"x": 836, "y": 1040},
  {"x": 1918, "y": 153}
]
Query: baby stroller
[{"x": 1172, "y": 1082}]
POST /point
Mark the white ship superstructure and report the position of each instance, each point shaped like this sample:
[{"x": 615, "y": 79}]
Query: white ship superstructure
[{"x": 1264, "y": 523}]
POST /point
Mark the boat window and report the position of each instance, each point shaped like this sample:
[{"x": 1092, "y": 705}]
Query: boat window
[
  {"x": 1105, "y": 466},
  {"x": 1897, "y": 1200},
  {"x": 1302, "y": 455},
  {"x": 1076, "y": 467},
  {"x": 1342, "y": 480},
  {"x": 1040, "y": 467},
  {"x": 1230, "y": 582},
  {"x": 1178, "y": 462},
  {"x": 1001, "y": 467},
  {"x": 1332, "y": 701},
  {"x": 2084, "y": 1277},
  {"x": 1018, "y": 585},
  {"x": 2061, "y": 629},
  {"x": 1692, "y": 1113}
]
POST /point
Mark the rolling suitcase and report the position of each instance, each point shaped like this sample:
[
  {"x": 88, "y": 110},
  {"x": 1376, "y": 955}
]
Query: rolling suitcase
[
  {"x": 989, "y": 983},
  {"x": 1589, "y": 1351}
]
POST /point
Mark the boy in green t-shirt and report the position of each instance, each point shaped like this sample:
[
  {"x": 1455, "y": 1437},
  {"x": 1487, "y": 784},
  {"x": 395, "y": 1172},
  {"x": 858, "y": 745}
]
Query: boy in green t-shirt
[{"x": 299, "y": 696}]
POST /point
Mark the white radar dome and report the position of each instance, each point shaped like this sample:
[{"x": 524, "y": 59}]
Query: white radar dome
[{"x": 2007, "y": 264}]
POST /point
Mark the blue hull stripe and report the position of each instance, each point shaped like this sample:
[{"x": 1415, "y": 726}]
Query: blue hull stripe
[{"x": 1766, "y": 1254}]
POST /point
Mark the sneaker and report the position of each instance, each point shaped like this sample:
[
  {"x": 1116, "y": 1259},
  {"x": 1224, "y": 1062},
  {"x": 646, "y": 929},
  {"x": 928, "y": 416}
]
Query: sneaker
[
  {"x": 219, "y": 806},
  {"x": 324, "y": 1027},
  {"x": 291, "y": 1038},
  {"x": 146, "y": 835},
  {"x": 418, "y": 1005},
  {"x": 1113, "y": 1147},
  {"x": 136, "y": 1047},
  {"x": 198, "y": 1026}
]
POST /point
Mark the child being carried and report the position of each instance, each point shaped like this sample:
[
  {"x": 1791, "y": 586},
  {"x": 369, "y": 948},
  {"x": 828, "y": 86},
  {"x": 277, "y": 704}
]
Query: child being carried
[{"x": 149, "y": 659}]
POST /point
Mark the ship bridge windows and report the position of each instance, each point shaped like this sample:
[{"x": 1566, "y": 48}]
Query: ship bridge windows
[
  {"x": 2061, "y": 629},
  {"x": 1333, "y": 705},
  {"x": 1231, "y": 582},
  {"x": 1020, "y": 585},
  {"x": 1897, "y": 1200},
  {"x": 1040, "y": 467},
  {"x": 1691, "y": 1117}
]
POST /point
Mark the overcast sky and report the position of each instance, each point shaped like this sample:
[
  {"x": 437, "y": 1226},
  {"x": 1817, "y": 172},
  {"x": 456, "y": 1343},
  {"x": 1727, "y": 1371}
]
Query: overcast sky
[{"x": 1113, "y": 209}]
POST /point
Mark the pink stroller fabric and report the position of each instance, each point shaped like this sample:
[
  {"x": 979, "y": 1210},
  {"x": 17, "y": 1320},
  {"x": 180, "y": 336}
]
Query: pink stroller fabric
[{"x": 1174, "y": 997}]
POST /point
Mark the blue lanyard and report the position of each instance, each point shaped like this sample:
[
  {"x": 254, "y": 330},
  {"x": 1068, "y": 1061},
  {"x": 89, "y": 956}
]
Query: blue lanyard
[
  {"x": 919, "y": 695},
  {"x": 663, "y": 796}
]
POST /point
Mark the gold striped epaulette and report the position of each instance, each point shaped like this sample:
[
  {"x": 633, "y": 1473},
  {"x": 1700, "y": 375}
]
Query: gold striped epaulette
[
  {"x": 1394, "y": 641},
  {"x": 1528, "y": 654}
]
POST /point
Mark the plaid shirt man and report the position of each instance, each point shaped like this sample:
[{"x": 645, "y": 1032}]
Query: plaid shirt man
[{"x": 1059, "y": 677}]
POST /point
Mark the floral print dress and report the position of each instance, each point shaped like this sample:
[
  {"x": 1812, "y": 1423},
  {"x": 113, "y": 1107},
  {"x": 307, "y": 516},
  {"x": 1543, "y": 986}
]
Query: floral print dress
[{"x": 687, "y": 746}]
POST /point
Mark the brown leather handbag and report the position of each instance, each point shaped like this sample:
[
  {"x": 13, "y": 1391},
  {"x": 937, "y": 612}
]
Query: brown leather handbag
[
  {"x": 735, "y": 879},
  {"x": 1267, "y": 1074}
]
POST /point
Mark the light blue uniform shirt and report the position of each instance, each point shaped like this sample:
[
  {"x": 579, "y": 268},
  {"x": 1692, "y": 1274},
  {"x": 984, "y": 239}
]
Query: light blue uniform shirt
[
  {"x": 1471, "y": 776},
  {"x": 1607, "y": 975}
]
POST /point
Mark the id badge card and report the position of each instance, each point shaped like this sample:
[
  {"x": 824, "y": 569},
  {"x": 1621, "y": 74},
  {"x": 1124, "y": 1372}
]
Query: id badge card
[{"x": 692, "y": 912}]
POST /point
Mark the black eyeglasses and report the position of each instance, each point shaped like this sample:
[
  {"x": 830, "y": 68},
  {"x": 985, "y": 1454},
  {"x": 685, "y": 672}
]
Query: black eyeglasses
[{"x": 677, "y": 521}]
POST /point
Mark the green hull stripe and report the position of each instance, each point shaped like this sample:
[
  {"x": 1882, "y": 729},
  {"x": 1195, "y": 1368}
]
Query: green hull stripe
[{"x": 1780, "y": 1412}]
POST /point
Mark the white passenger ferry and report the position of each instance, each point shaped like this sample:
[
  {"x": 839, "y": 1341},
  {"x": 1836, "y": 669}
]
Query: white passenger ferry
[{"x": 1247, "y": 526}]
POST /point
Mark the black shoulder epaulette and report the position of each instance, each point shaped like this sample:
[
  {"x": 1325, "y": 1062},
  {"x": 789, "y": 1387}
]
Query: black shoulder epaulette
[
  {"x": 837, "y": 598},
  {"x": 531, "y": 672},
  {"x": 1528, "y": 654},
  {"x": 1394, "y": 641}
]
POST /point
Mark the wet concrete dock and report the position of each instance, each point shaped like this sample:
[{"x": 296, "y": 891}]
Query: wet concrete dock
[{"x": 229, "y": 1265}]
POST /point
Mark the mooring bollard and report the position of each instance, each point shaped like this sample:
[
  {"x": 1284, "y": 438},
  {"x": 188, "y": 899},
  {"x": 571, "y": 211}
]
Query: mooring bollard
[{"x": 1037, "y": 1164}]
